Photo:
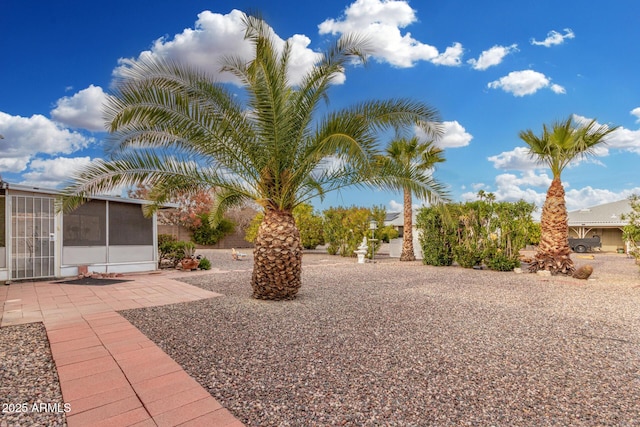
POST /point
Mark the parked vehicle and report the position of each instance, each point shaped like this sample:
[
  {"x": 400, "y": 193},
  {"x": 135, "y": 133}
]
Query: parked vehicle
[{"x": 584, "y": 245}]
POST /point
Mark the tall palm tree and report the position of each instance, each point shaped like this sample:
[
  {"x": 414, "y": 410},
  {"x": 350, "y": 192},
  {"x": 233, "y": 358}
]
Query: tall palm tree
[
  {"x": 175, "y": 129},
  {"x": 556, "y": 147},
  {"x": 416, "y": 158}
]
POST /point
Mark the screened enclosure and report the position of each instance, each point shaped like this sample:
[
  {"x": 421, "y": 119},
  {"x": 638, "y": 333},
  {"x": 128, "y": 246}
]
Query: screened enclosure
[
  {"x": 105, "y": 235},
  {"x": 107, "y": 232}
]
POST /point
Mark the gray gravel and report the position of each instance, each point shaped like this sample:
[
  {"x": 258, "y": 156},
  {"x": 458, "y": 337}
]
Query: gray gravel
[
  {"x": 29, "y": 388},
  {"x": 402, "y": 344}
]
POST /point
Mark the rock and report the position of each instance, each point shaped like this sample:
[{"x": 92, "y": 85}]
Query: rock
[
  {"x": 583, "y": 272},
  {"x": 543, "y": 273}
]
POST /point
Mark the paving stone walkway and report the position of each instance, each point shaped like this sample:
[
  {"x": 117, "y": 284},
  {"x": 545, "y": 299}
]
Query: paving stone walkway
[{"x": 110, "y": 373}]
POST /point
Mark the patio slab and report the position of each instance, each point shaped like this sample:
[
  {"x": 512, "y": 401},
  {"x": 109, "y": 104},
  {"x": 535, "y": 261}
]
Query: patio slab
[{"x": 111, "y": 373}]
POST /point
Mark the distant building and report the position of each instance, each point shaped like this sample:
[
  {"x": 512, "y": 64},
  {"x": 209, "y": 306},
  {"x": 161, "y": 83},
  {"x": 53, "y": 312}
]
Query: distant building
[
  {"x": 602, "y": 220},
  {"x": 104, "y": 235},
  {"x": 396, "y": 220}
]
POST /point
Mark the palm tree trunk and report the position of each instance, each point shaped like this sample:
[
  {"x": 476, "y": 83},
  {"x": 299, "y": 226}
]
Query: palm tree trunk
[
  {"x": 407, "y": 233},
  {"x": 277, "y": 264},
  {"x": 554, "y": 252}
]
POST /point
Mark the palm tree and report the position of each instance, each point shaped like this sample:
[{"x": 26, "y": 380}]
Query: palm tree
[
  {"x": 416, "y": 158},
  {"x": 175, "y": 129},
  {"x": 558, "y": 146}
]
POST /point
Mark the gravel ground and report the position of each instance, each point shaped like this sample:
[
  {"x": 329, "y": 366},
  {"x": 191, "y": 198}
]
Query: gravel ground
[
  {"x": 402, "y": 344},
  {"x": 29, "y": 388}
]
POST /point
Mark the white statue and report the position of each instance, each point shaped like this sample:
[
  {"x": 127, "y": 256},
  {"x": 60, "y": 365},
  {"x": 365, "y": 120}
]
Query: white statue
[{"x": 362, "y": 250}]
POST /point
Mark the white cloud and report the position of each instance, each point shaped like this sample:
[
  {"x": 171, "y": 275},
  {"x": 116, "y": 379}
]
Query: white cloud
[
  {"x": 516, "y": 159},
  {"x": 82, "y": 110},
  {"x": 532, "y": 188},
  {"x": 451, "y": 57},
  {"x": 52, "y": 173},
  {"x": 621, "y": 138},
  {"x": 381, "y": 21},
  {"x": 26, "y": 136},
  {"x": 624, "y": 139},
  {"x": 636, "y": 112},
  {"x": 558, "y": 89},
  {"x": 589, "y": 196},
  {"x": 493, "y": 56},
  {"x": 216, "y": 36},
  {"x": 395, "y": 206},
  {"x": 527, "y": 178},
  {"x": 454, "y": 136},
  {"x": 526, "y": 82},
  {"x": 554, "y": 38}
]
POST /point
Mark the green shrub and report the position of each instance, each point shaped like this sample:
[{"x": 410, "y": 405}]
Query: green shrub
[
  {"x": 387, "y": 233},
  {"x": 205, "y": 264},
  {"x": 169, "y": 249},
  {"x": 308, "y": 222},
  {"x": 500, "y": 262},
  {"x": 251, "y": 232},
  {"x": 344, "y": 229},
  {"x": 435, "y": 238},
  {"x": 467, "y": 257},
  {"x": 205, "y": 234}
]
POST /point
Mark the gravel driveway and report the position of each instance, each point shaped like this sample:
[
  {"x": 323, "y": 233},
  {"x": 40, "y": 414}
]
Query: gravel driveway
[{"x": 402, "y": 344}]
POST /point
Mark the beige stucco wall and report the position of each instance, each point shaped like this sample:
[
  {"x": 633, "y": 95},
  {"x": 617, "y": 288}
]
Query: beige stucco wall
[{"x": 611, "y": 238}]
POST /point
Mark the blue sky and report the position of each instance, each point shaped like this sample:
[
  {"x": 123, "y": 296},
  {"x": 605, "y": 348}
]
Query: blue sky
[{"x": 492, "y": 69}]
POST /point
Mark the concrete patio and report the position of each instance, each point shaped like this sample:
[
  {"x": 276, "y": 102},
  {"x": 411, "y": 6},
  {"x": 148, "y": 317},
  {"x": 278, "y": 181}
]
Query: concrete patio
[{"x": 110, "y": 373}]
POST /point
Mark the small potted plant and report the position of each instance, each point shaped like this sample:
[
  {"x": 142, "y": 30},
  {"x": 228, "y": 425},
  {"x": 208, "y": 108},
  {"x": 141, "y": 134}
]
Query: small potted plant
[{"x": 190, "y": 261}]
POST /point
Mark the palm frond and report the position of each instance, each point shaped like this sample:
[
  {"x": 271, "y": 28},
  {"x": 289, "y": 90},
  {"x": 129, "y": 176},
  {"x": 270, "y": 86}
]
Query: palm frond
[{"x": 564, "y": 142}]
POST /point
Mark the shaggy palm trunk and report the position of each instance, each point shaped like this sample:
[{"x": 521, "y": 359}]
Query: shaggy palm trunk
[
  {"x": 277, "y": 258},
  {"x": 407, "y": 233},
  {"x": 554, "y": 252}
]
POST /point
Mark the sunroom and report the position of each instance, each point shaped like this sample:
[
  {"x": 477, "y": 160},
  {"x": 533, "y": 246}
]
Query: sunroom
[{"x": 104, "y": 235}]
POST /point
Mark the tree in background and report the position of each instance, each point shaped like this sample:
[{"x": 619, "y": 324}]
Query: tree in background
[
  {"x": 420, "y": 158},
  {"x": 631, "y": 231},
  {"x": 189, "y": 210},
  {"x": 557, "y": 146},
  {"x": 344, "y": 229},
  {"x": 175, "y": 129},
  {"x": 475, "y": 232},
  {"x": 437, "y": 236},
  {"x": 310, "y": 225},
  {"x": 307, "y": 220},
  {"x": 193, "y": 212}
]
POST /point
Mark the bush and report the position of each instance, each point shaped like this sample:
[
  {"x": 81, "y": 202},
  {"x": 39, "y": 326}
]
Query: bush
[
  {"x": 205, "y": 264},
  {"x": 467, "y": 257},
  {"x": 435, "y": 238},
  {"x": 344, "y": 229},
  {"x": 308, "y": 222},
  {"x": 205, "y": 234},
  {"x": 171, "y": 251},
  {"x": 251, "y": 232},
  {"x": 387, "y": 233},
  {"x": 309, "y": 225},
  {"x": 500, "y": 262}
]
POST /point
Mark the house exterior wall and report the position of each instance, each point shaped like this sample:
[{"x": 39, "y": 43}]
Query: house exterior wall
[
  {"x": 610, "y": 237},
  {"x": 395, "y": 246},
  {"x": 125, "y": 225},
  {"x": 109, "y": 227}
]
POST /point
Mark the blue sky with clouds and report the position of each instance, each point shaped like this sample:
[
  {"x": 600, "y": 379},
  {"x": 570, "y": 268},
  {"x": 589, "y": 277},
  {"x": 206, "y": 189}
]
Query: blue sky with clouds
[{"x": 491, "y": 68}]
